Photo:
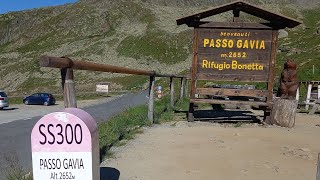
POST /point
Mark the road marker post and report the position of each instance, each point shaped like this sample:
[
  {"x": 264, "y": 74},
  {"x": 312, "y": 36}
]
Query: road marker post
[{"x": 65, "y": 145}]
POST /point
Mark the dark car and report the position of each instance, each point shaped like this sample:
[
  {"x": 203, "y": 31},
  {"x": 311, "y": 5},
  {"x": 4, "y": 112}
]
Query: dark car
[{"x": 40, "y": 98}]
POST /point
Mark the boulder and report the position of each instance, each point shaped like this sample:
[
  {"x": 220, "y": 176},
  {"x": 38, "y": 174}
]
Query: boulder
[{"x": 282, "y": 34}]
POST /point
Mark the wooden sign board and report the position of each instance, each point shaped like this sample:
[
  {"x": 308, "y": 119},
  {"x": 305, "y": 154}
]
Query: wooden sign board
[{"x": 233, "y": 54}]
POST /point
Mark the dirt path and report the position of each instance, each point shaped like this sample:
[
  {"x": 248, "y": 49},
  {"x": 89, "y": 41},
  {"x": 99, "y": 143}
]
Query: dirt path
[{"x": 202, "y": 150}]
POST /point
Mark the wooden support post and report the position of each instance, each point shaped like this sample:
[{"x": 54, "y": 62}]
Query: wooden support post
[
  {"x": 236, "y": 14},
  {"x": 284, "y": 112},
  {"x": 272, "y": 65},
  {"x": 171, "y": 92},
  {"x": 69, "y": 91},
  {"x": 190, "y": 113},
  {"x": 308, "y": 96},
  {"x": 318, "y": 168},
  {"x": 151, "y": 99},
  {"x": 193, "y": 75},
  {"x": 182, "y": 84}
]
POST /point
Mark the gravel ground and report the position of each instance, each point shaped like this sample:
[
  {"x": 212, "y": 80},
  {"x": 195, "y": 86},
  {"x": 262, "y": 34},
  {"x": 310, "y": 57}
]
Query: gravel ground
[{"x": 203, "y": 150}]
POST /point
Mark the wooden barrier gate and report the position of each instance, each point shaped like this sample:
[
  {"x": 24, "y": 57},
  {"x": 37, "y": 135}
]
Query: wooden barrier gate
[
  {"x": 67, "y": 65},
  {"x": 235, "y": 51}
]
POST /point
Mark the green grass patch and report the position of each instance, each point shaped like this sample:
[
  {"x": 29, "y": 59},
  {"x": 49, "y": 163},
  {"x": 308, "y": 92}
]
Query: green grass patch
[
  {"x": 308, "y": 44},
  {"x": 158, "y": 45},
  {"x": 290, "y": 12},
  {"x": 120, "y": 127},
  {"x": 129, "y": 82},
  {"x": 41, "y": 84}
]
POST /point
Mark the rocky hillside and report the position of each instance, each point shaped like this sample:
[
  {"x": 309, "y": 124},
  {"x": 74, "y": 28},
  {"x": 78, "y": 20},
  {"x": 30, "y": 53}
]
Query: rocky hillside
[{"x": 137, "y": 34}]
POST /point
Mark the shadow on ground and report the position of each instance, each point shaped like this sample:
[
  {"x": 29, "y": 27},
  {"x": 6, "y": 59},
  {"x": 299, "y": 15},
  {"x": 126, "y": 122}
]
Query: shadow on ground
[
  {"x": 109, "y": 173},
  {"x": 223, "y": 115},
  {"x": 8, "y": 109}
]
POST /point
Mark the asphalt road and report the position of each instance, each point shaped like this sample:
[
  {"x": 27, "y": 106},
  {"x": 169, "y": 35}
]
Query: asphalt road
[{"x": 15, "y": 135}]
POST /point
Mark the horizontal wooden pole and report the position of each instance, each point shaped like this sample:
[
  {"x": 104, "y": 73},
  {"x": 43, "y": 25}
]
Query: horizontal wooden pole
[
  {"x": 64, "y": 62},
  {"x": 232, "y": 92},
  {"x": 231, "y": 77},
  {"x": 56, "y": 62},
  {"x": 216, "y": 101}
]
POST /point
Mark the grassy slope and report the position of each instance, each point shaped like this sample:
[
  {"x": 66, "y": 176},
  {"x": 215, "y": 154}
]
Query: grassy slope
[
  {"x": 152, "y": 45},
  {"x": 308, "y": 42}
]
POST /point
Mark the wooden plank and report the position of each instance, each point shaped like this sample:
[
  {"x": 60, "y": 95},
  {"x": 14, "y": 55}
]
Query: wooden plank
[
  {"x": 151, "y": 99},
  {"x": 235, "y": 25},
  {"x": 64, "y": 62},
  {"x": 193, "y": 75},
  {"x": 236, "y": 14},
  {"x": 235, "y": 40},
  {"x": 69, "y": 90},
  {"x": 277, "y": 20},
  {"x": 272, "y": 65},
  {"x": 216, "y": 101},
  {"x": 232, "y": 77},
  {"x": 194, "y": 64},
  {"x": 234, "y": 53},
  {"x": 232, "y": 92}
]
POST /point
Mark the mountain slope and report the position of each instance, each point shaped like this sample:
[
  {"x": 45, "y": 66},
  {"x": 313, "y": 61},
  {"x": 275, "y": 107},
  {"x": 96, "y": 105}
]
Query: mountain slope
[{"x": 137, "y": 34}]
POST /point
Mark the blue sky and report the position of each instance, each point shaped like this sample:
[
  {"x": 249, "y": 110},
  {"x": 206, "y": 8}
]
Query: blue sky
[{"x": 18, "y": 5}]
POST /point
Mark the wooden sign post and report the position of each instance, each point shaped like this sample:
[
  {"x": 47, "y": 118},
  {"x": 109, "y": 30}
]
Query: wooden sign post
[
  {"x": 65, "y": 145},
  {"x": 235, "y": 52}
]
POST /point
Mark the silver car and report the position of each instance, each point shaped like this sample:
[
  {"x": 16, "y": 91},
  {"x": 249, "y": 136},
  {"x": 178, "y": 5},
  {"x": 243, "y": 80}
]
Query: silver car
[{"x": 4, "y": 101}]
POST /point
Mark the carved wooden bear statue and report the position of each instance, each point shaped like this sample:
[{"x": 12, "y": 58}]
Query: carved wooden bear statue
[{"x": 288, "y": 81}]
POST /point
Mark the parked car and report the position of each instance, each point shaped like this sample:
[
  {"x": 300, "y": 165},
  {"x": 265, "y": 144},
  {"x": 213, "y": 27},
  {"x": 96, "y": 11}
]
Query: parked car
[
  {"x": 4, "y": 100},
  {"x": 40, "y": 98}
]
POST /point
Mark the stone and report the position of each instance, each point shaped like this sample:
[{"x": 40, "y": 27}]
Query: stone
[{"x": 283, "y": 34}]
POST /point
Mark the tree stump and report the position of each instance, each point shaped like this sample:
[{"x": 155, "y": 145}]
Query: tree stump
[{"x": 284, "y": 112}]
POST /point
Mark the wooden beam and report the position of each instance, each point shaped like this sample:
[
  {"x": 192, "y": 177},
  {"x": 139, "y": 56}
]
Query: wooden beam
[
  {"x": 232, "y": 77},
  {"x": 232, "y": 92},
  {"x": 64, "y": 62},
  {"x": 272, "y": 65},
  {"x": 236, "y": 14},
  {"x": 69, "y": 91},
  {"x": 193, "y": 74},
  {"x": 216, "y": 101},
  {"x": 151, "y": 99}
]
